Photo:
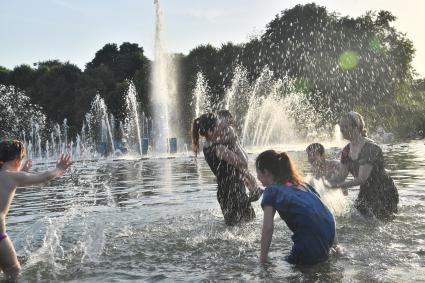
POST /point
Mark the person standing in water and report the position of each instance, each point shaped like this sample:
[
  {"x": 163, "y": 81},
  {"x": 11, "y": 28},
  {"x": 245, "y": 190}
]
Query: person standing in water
[
  {"x": 363, "y": 158},
  {"x": 299, "y": 205},
  {"x": 229, "y": 167},
  {"x": 11, "y": 155}
]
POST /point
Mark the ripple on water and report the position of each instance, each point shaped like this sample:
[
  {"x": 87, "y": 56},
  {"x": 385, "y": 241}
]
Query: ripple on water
[{"x": 158, "y": 220}]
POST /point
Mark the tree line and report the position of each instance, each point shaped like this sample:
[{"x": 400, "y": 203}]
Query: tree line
[{"x": 338, "y": 63}]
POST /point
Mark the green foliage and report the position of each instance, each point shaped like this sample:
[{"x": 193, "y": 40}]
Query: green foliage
[
  {"x": 338, "y": 63},
  {"x": 403, "y": 113},
  {"x": 64, "y": 91},
  {"x": 341, "y": 63}
]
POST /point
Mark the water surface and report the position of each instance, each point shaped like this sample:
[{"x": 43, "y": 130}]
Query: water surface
[{"x": 158, "y": 220}]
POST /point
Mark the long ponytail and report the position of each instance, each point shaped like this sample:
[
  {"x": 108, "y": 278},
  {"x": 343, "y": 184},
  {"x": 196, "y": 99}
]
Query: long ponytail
[
  {"x": 200, "y": 127},
  {"x": 280, "y": 165}
]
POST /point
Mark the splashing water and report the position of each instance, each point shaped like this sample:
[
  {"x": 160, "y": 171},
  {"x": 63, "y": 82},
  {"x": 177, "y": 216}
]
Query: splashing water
[
  {"x": 124, "y": 221},
  {"x": 134, "y": 119},
  {"x": 200, "y": 95},
  {"x": 164, "y": 88},
  {"x": 100, "y": 111},
  {"x": 334, "y": 199}
]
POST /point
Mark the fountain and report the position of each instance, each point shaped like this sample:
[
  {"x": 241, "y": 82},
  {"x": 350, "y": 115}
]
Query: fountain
[
  {"x": 266, "y": 111},
  {"x": 133, "y": 113},
  {"x": 164, "y": 91},
  {"x": 100, "y": 117},
  {"x": 200, "y": 95},
  {"x": 130, "y": 219}
]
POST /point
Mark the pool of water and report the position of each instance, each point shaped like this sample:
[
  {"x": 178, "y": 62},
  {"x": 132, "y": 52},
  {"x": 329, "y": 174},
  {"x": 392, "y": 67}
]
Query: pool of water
[{"x": 158, "y": 220}]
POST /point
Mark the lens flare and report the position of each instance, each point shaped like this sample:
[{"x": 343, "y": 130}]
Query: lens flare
[
  {"x": 375, "y": 45},
  {"x": 348, "y": 60}
]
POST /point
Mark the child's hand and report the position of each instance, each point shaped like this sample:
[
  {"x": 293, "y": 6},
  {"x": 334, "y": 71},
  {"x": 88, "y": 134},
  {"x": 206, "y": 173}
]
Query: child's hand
[
  {"x": 64, "y": 162},
  {"x": 27, "y": 166}
]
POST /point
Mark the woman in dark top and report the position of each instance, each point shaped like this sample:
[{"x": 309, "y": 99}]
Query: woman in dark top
[
  {"x": 363, "y": 158},
  {"x": 227, "y": 165}
]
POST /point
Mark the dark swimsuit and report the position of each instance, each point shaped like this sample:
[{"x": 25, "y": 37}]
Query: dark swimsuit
[
  {"x": 3, "y": 236},
  {"x": 231, "y": 193},
  {"x": 378, "y": 196}
]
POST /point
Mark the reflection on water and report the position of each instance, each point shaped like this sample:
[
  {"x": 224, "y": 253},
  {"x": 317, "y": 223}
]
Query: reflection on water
[{"x": 159, "y": 220}]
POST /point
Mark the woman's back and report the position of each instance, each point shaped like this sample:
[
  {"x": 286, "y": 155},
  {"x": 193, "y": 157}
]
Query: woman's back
[{"x": 307, "y": 217}]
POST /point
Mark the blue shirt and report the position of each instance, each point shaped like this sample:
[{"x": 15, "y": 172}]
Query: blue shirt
[{"x": 307, "y": 217}]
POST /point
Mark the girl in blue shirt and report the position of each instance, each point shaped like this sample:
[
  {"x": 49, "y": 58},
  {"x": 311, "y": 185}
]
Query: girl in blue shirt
[{"x": 299, "y": 205}]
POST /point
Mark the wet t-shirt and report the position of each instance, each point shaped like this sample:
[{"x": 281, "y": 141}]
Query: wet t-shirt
[
  {"x": 307, "y": 217},
  {"x": 378, "y": 196}
]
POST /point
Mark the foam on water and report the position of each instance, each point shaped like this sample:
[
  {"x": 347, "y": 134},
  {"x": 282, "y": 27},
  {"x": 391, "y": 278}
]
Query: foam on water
[{"x": 334, "y": 199}]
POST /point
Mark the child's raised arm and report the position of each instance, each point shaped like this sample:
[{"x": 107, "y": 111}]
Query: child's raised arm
[{"x": 22, "y": 179}]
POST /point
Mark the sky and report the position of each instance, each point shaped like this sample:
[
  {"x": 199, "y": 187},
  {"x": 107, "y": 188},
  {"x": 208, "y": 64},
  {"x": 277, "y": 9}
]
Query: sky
[{"x": 73, "y": 30}]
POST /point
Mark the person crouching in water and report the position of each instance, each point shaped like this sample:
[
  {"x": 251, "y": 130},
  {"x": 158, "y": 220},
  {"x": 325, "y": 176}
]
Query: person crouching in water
[
  {"x": 12, "y": 153},
  {"x": 299, "y": 205}
]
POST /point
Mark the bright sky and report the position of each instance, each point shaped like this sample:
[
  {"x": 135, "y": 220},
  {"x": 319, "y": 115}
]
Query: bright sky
[{"x": 73, "y": 30}]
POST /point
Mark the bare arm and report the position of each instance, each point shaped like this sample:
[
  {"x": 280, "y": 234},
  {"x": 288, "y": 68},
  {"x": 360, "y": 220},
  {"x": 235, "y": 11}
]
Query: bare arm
[
  {"x": 255, "y": 192},
  {"x": 241, "y": 152},
  {"x": 250, "y": 181},
  {"x": 267, "y": 232},
  {"x": 340, "y": 175},
  {"x": 364, "y": 173},
  {"x": 230, "y": 157},
  {"x": 23, "y": 179}
]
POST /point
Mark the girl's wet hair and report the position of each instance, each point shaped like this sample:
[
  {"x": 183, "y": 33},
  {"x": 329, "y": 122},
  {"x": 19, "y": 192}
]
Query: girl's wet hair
[
  {"x": 315, "y": 148},
  {"x": 201, "y": 126},
  {"x": 11, "y": 150},
  {"x": 225, "y": 114},
  {"x": 357, "y": 121},
  {"x": 280, "y": 165}
]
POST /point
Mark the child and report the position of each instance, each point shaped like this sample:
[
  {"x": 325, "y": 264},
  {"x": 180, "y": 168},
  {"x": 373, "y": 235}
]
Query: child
[
  {"x": 11, "y": 155},
  {"x": 321, "y": 167},
  {"x": 299, "y": 205}
]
